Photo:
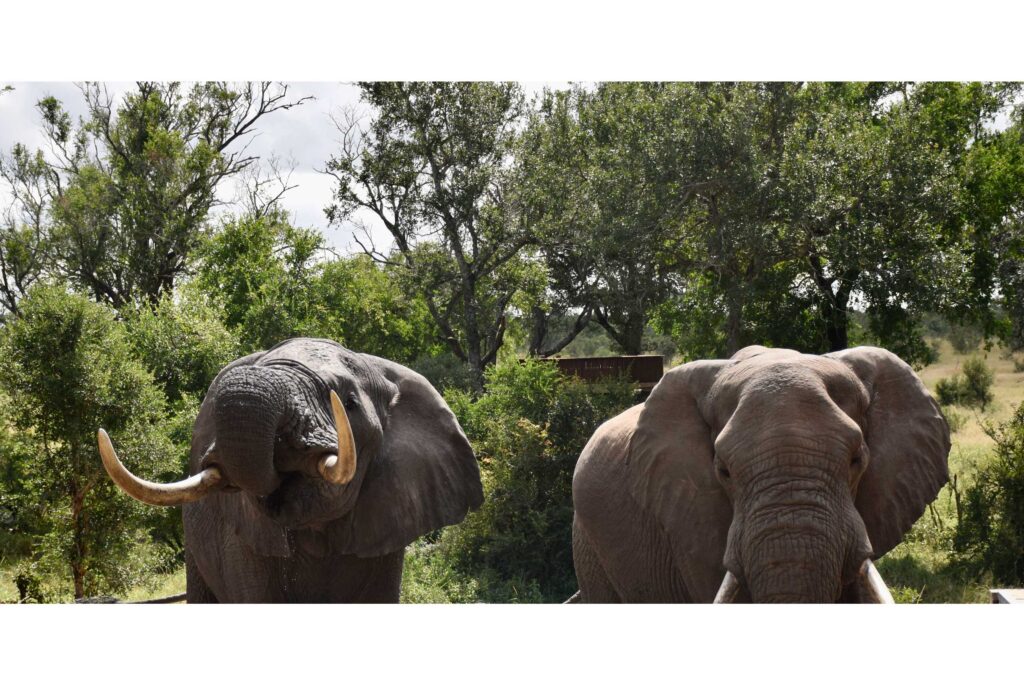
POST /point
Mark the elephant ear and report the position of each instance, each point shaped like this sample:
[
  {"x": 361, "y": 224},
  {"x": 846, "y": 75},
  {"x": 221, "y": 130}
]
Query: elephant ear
[
  {"x": 424, "y": 478},
  {"x": 671, "y": 463},
  {"x": 908, "y": 445}
]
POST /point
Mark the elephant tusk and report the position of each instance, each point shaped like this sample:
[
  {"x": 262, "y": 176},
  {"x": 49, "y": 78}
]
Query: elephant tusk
[
  {"x": 729, "y": 590},
  {"x": 874, "y": 587},
  {"x": 185, "y": 491},
  {"x": 340, "y": 468}
]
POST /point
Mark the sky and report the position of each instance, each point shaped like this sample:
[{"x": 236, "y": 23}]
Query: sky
[{"x": 304, "y": 136}]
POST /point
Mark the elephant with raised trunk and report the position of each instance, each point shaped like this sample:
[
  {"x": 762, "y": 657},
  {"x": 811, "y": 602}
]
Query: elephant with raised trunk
[
  {"x": 773, "y": 476},
  {"x": 313, "y": 467}
]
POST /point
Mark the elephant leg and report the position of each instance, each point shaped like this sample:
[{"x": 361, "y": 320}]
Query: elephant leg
[
  {"x": 595, "y": 587},
  {"x": 196, "y": 590},
  {"x": 385, "y": 581}
]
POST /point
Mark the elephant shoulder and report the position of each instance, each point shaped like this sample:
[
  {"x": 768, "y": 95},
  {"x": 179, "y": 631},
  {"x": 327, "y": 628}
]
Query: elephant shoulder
[{"x": 600, "y": 464}]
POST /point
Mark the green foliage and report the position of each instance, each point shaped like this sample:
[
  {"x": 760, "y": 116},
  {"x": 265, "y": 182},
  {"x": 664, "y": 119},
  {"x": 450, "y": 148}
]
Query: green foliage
[
  {"x": 965, "y": 338},
  {"x": 120, "y": 202},
  {"x": 271, "y": 284},
  {"x": 432, "y": 167},
  {"x": 990, "y": 531},
  {"x": 68, "y": 369},
  {"x": 971, "y": 387},
  {"x": 182, "y": 343},
  {"x": 528, "y": 430}
]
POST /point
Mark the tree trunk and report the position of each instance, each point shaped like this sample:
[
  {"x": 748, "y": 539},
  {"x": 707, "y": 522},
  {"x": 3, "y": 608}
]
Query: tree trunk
[
  {"x": 836, "y": 326},
  {"x": 733, "y": 323},
  {"x": 78, "y": 554},
  {"x": 540, "y": 329}
]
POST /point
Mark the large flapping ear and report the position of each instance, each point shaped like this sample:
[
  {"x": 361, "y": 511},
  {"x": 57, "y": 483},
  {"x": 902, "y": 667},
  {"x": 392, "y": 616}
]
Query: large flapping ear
[
  {"x": 908, "y": 445},
  {"x": 425, "y": 476},
  {"x": 672, "y": 474}
]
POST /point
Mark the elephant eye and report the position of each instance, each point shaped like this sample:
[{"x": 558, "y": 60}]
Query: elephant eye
[
  {"x": 350, "y": 402},
  {"x": 723, "y": 471}
]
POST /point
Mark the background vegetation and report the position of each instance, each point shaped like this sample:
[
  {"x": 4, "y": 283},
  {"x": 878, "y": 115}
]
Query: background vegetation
[{"x": 685, "y": 219}]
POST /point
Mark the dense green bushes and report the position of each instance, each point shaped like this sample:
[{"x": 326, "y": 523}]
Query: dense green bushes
[
  {"x": 528, "y": 430},
  {"x": 990, "y": 529},
  {"x": 68, "y": 369}
]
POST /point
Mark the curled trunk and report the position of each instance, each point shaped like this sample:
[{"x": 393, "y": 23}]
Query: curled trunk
[{"x": 251, "y": 405}]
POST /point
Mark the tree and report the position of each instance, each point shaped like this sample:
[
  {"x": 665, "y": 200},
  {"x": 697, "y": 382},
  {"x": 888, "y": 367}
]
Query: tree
[
  {"x": 121, "y": 202},
  {"x": 431, "y": 167},
  {"x": 68, "y": 369},
  {"x": 182, "y": 342},
  {"x": 603, "y": 185},
  {"x": 874, "y": 195},
  {"x": 273, "y": 281}
]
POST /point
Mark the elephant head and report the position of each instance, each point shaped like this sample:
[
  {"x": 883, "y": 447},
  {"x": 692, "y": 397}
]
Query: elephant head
[
  {"x": 310, "y": 435},
  {"x": 803, "y": 467}
]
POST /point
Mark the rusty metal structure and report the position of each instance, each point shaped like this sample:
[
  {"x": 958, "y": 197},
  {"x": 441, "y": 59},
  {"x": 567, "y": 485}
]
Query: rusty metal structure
[{"x": 645, "y": 371}]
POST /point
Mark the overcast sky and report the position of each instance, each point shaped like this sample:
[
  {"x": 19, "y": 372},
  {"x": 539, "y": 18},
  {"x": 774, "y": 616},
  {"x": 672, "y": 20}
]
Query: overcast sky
[{"x": 303, "y": 135}]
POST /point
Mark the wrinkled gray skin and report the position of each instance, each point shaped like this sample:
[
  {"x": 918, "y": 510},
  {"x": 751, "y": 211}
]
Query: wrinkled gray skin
[
  {"x": 789, "y": 470},
  {"x": 286, "y": 534}
]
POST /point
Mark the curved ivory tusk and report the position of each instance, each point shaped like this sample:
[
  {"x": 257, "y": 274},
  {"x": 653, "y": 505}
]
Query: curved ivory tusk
[
  {"x": 729, "y": 590},
  {"x": 874, "y": 587},
  {"x": 186, "y": 491},
  {"x": 340, "y": 468}
]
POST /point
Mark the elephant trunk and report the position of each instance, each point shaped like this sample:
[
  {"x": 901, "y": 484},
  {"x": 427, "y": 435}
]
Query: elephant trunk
[
  {"x": 802, "y": 551},
  {"x": 252, "y": 404}
]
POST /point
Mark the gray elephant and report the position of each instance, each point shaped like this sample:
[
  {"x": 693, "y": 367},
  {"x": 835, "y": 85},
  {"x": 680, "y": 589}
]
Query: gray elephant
[
  {"x": 773, "y": 476},
  {"x": 313, "y": 467}
]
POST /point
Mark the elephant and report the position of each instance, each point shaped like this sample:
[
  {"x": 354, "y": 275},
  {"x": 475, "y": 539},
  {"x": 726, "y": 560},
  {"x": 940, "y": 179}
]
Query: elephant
[
  {"x": 312, "y": 468},
  {"x": 772, "y": 476}
]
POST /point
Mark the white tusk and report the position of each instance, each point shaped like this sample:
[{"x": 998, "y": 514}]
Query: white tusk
[
  {"x": 871, "y": 580},
  {"x": 185, "y": 491},
  {"x": 340, "y": 468},
  {"x": 729, "y": 590}
]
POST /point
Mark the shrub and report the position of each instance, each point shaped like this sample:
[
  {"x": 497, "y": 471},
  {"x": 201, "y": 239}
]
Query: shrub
[
  {"x": 183, "y": 343},
  {"x": 972, "y": 387},
  {"x": 990, "y": 529},
  {"x": 950, "y": 391},
  {"x": 965, "y": 338},
  {"x": 528, "y": 430}
]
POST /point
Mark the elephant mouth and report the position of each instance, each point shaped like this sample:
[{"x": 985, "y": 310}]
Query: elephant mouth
[
  {"x": 868, "y": 586},
  {"x": 302, "y": 502}
]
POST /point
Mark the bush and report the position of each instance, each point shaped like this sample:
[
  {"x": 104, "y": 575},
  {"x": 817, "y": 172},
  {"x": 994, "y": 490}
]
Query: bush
[
  {"x": 183, "y": 343},
  {"x": 990, "y": 529},
  {"x": 528, "y": 430},
  {"x": 965, "y": 338},
  {"x": 972, "y": 387},
  {"x": 67, "y": 366}
]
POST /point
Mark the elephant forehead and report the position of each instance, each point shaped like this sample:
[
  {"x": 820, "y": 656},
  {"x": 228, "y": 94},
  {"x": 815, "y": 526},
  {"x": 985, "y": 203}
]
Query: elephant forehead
[
  {"x": 326, "y": 358},
  {"x": 788, "y": 378}
]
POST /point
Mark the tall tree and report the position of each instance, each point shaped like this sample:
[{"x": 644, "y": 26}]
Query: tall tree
[
  {"x": 875, "y": 195},
  {"x": 606, "y": 193},
  {"x": 120, "y": 203},
  {"x": 432, "y": 168}
]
